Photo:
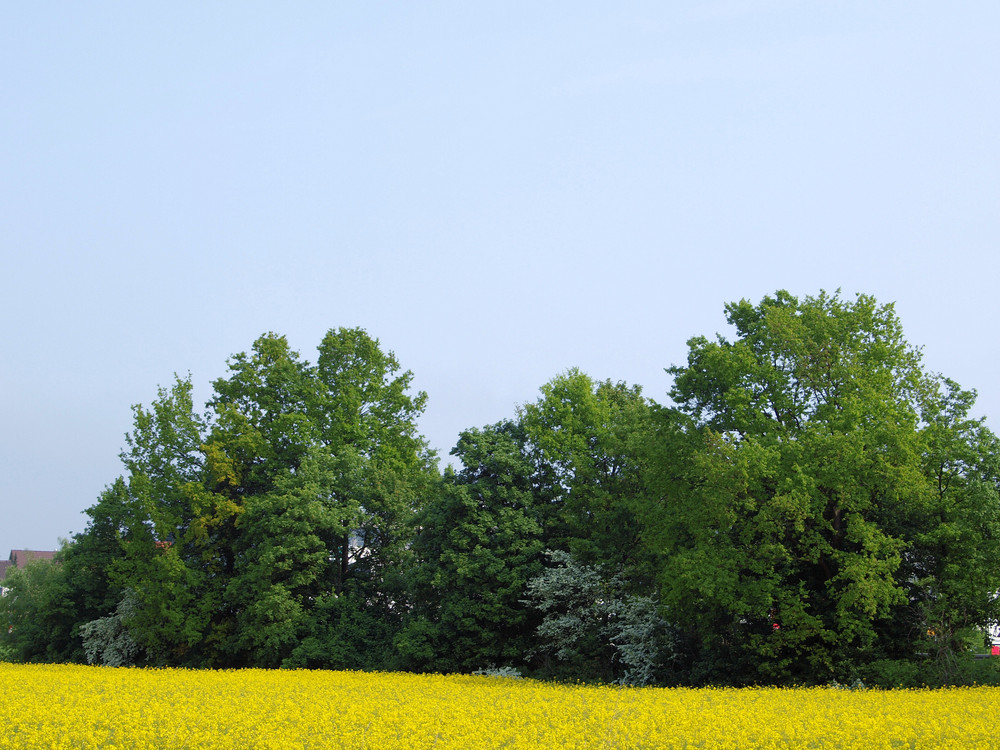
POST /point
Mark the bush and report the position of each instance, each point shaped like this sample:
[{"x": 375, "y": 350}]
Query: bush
[
  {"x": 107, "y": 640},
  {"x": 891, "y": 673},
  {"x": 592, "y": 626}
]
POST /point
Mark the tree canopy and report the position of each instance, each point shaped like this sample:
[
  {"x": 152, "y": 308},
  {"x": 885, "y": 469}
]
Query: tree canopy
[
  {"x": 800, "y": 527},
  {"x": 811, "y": 505}
]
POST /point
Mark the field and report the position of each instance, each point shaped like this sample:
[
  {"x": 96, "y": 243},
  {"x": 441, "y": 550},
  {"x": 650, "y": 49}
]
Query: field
[{"x": 98, "y": 707}]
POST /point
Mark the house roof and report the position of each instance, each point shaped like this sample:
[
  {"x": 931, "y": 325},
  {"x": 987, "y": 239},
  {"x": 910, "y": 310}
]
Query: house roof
[{"x": 20, "y": 557}]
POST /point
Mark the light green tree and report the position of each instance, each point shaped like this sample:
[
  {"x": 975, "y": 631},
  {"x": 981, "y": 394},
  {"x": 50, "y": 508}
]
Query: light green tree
[
  {"x": 587, "y": 438},
  {"x": 794, "y": 492}
]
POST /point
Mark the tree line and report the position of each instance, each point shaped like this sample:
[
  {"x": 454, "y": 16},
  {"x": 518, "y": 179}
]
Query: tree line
[{"x": 812, "y": 506}]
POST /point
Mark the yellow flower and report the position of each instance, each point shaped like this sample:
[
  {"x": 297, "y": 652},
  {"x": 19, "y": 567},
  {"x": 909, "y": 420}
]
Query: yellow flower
[{"x": 76, "y": 707}]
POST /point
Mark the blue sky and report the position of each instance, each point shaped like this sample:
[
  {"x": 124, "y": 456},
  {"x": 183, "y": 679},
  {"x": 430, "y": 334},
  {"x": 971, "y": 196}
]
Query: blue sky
[{"x": 497, "y": 191}]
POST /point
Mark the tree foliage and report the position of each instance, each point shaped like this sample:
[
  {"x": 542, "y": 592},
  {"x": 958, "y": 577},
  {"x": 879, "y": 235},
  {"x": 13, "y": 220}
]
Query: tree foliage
[
  {"x": 812, "y": 506},
  {"x": 587, "y": 436},
  {"x": 107, "y": 640},
  {"x": 37, "y": 614},
  {"x": 591, "y": 627},
  {"x": 231, "y": 531},
  {"x": 477, "y": 543},
  {"x": 805, "y": 496}
]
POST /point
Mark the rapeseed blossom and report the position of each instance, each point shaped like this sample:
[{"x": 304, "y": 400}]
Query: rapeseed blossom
[{"x": 46, "y": 706}]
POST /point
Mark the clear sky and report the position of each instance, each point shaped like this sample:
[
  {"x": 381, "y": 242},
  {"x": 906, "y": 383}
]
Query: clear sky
[{"x": 498, "y": 191}]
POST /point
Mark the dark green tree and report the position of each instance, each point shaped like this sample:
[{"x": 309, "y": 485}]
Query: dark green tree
[
  {"x": 307, "y": 462},
  {"x": 366, "y": 412},
  {"x": 477, "y": 544},
  {"x": 37, "y": 615},
  {"x": 253, "y": 534},
  {"x": 286, "y": 556}
]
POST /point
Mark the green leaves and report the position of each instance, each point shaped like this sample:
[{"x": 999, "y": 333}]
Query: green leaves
[
  {"x": 232, "y": 530},
  {"x": 587, "y": 438},
  {"x": 477, "y": 543},
  {"x": 823, "y": 360},
  {"x": 813, "y": 501},
  {"x": 809, "y": 494}
]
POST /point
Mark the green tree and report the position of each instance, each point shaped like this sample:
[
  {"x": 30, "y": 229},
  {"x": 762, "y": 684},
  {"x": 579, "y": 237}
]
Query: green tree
[
  {"x": 951, "y": 568},
  {"x": 477, "y": 544},
  {"x": 156, "y": 516},
  {"x": 284, "y": 567},
  {"x": 260, "y": 431},
  {"x": 366, "y": 411},
  {"x": 37, "y": 614},
  {"x": 588, "y": 437},
  {"x": 366, "y": 408},
  {"x": 262, "y": 424},
  {"x": 88, "y": 560},
  {"x": 164, "y": 456},
  {"x": 315, "y": 470},
  {"x": 251, "y": 535},
  {"x": 792, "y": 491}
]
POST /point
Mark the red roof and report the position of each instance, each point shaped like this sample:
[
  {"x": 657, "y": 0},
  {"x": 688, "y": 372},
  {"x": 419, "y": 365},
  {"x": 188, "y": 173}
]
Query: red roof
[{"x": 21, "y": 557}]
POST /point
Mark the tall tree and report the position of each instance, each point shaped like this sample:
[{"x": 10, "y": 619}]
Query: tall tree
[
  {"x": 367, "y": 410},
  {"x": 285, "y": 566},
  {"x": 136, "y": 542},
  {"x": 238, "y": 538},
  {"x": 788, "y": 507},
  {"x": 477, "y": 544},
  {"x": 588, "y": 437},
  {"x": 366, "y": 407},
  {"x": 952, "y": 567}
]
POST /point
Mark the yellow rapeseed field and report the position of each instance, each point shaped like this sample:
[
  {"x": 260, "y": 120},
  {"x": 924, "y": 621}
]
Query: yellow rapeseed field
[{"x": 77, "y": 707}]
